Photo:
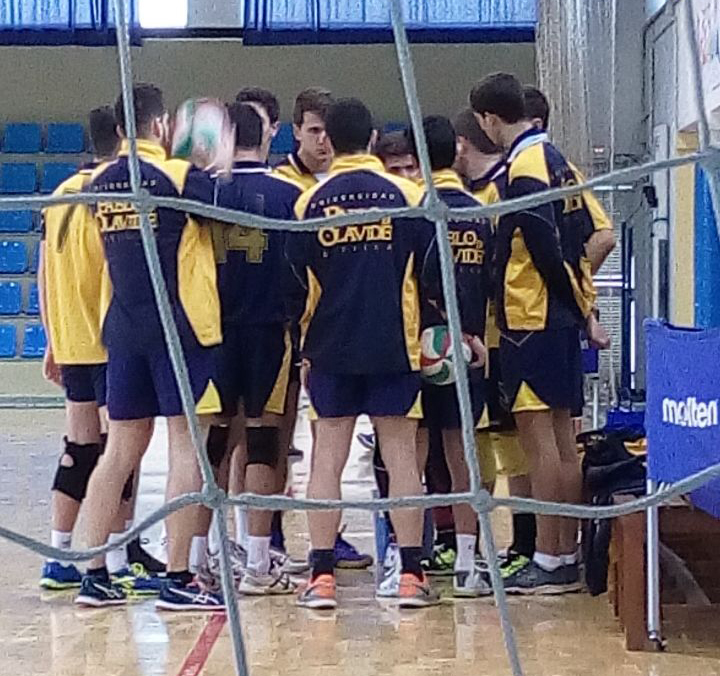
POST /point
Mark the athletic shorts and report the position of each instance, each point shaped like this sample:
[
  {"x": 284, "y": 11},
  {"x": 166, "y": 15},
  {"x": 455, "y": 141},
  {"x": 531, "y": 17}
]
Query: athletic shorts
[
  {"x": 441, "y": 408},
  {"x": 501, "y": 418},
  {"x": 141, "y": 384},
  {"x": 85, "y": 383},
  {"x": 343, "y": 395},
  {"x": 541, "y": 370},
  {"x": 254, "y": 365}
]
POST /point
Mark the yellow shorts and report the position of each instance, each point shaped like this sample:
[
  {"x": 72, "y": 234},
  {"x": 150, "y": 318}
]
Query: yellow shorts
[{"x": 500, "y": 453}]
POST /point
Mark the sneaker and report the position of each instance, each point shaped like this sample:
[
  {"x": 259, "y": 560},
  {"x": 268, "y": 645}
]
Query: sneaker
[
  {"x": 513, "y": 564},
  {"x": 275, "y": 583},
  {"x": 179, "y": 597},
  {"x": 208, "y": 575},
  {"x": 572, "y": 578},
  {"x": 347, "y": 556},
  {"x": 144, "y": 584},
  {"x": 389, "y": 585},
  {"x": 319, "y": 594},
  {"x": 442, "y": 562},
  {"x": 57, "y": 576},
  {"x": 137, "y": 554},
  {"x": 124, "y": 577},
  {"x": 415, "y": 592},
  {"x": 471, "y": 583},
  {"x": 367, "y": 440},
  {"x": 96, "y": 592},
  {"x": 287, "y": 563},
  {"x": 532, "y": 579}
]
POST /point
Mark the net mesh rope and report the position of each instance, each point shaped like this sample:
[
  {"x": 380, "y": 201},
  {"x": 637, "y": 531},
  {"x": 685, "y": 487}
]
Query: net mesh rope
[{"x": 433, "y": 209}]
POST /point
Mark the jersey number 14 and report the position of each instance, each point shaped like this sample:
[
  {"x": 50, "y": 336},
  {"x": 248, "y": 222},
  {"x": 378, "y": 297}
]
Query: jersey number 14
[{"x": 252, "y": 241}]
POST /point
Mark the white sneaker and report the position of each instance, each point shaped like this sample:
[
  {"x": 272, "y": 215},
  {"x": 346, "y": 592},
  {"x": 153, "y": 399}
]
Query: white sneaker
[
  {"x": 284, "y": 562},
  {"x": 471, "y": 583},
  {"x": 389, "y": 586},
  {"x": 275, "y": 583}
]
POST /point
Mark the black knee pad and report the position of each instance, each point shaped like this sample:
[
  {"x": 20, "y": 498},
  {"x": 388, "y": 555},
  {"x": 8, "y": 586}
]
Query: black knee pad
[
  {"x": 128, "y": 488},
  {"x": 217, "y": 444},
  {"x": 263, "y": 446},
  {"x": 77, "y": 463}
]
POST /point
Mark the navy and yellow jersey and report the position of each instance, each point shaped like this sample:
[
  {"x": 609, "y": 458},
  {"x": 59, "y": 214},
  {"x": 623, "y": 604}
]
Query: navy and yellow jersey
[
  {"x": 490, "y": 188},
  {"x": 543, "y": 279},
  {"x": 73, "y": 268},
  {"x": 253, "y": 277},
  {"x": 362, "y": 310},
  {"x": 597, "y": 218},
  {"x": 293, "y": 168},
  {"x": 185, "y": 248},
  {"x": 471, "y": 244}
]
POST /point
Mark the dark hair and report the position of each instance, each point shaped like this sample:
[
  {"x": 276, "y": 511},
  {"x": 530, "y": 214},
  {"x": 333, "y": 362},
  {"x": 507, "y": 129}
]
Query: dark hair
[
  {"x": 441, "y": 142},
  {"x": 467, "y": 126},
  {"x": 265, "y": 98},
  {"x": 536, "y": 105},
  {"x": 248, "y": 125},
  {"x": 312, "y": 100},
  {"x": 103, "y": 131},
  {"x": 349, "y": 126},
  {"x": 500, "y": 94},
  {"x": 393, "y": 144},
  {"x": 149, "y": 104}
]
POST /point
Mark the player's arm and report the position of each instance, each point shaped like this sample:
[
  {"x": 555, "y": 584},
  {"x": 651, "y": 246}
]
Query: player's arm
[
  {"x": 51, "y": 371},
  {"x": 599, "y": 247}
]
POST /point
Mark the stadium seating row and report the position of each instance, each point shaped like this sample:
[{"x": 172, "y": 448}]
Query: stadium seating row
[
  {"x": 27, "y": 138},
  {"x": 33, "y": 343},
  {"x": 14, "y": 259},
  {"x": 11, "y": 299},
  {"x": 21, "y": 178}
]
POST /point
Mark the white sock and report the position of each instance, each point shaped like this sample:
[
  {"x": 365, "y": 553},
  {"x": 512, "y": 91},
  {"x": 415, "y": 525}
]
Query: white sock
[
  {"x": 465, "y": 552},
  {"x": 213, "y": 541},
  {"x": 60, "y": 540},
  {"x": 569, "y": 559},
  {"x": 548, "y": 562},
  {"x": 198, "y": 553},
  {"x": 241, "y": 527},
  {"x": 258, "y": 550},
  {"x": 116, "y": 559}
]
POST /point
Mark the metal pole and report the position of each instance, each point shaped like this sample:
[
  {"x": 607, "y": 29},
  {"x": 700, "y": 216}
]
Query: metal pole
[{"x": 652, "y": 550}]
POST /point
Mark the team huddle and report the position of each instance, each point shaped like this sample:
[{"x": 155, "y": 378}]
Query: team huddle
[{"x": 348, "y": 313}]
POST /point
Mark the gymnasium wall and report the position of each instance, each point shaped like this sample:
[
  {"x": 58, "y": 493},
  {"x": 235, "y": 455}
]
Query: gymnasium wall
[{"x": 62, "y": 83}]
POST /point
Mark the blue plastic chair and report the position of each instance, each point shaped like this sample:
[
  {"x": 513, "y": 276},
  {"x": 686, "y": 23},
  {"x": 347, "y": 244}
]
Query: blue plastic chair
[
  {"x": 33, "y": 306},
  {"x": 54, "y": 173},
  {"x": 8, "y": 340},
  {"x": 35, "y": 258},
  {"x": 10, "y": 298},
  {"x": 22, "y": 138},
  {"x": 13, "y": 257},
  {"x": 394, "y": 126},
  {"x": 65, "y": 138},
  {"x": 35, "y": 342},
  {"x": 284, "y": 142},
  {"x": 16, "y": 221},
  {"x": 18, "y": 178}
]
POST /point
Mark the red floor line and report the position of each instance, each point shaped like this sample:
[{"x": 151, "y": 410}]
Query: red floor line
[{"x": 198, "y": 656}]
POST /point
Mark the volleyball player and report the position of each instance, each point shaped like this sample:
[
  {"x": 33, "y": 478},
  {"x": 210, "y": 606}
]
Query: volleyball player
[
  {"x": 546, "y": 297},
  {"x": 395, "y": 152},
  {"x": 140, "y": 379},
  {"x": 371, "y": 366}
]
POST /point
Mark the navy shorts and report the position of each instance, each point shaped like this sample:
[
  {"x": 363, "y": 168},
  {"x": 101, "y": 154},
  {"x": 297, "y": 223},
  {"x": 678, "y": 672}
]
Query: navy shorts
[
  {"x": 85, "y": 383},
  {"x": 141, "y": 384},
  {"x": 344, "y": 395},
  {"x": 501, "y": 418},
  {"x": 440, "y": 403},
  {"x": 542, "y": 370},
  {"x": 254, "y": 365}
]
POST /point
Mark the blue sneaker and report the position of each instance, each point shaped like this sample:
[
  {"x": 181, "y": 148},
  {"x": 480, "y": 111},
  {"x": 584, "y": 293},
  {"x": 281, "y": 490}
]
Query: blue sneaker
[
  {"x": 124, "y": 578},
  {"x": 347, "y": 556},
  {"x": 143, "y": 583},
  {"x": 99, "y": 593},
  {"x": 56, "y": 576},
  {"x": 179, "y": 597}
]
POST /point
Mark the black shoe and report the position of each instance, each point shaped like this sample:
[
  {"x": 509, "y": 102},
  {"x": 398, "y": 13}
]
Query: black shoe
[{"x": 136, "y": 554}]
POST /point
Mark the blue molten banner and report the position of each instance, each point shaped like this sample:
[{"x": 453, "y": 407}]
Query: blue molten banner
[{"x": 683, "y": 401}]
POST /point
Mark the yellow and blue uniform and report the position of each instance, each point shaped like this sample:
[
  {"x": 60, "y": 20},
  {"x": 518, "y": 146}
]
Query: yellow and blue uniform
[
  {"x": 361, "y": 325},
  {"x": 544, "y": 287},
  {"x": 73, "y": 265},
  {"x": 141, "y": 382},
  {"x": 256, "y": 355},
  {"x": 293, "y": 169},
  {"x": 471, "y": 244}
]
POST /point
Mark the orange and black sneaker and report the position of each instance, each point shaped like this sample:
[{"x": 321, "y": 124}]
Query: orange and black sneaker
[
  {"x": 319, "y": 594},
  {"x": 416, "y": 592}
]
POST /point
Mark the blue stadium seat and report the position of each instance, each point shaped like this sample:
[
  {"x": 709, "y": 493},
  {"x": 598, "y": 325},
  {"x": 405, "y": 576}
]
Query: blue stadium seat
[
  {"x": 8, "y": 340},
  {"x": 18, "y": 178},
  {"x": 16, "y": 221},
  {"x": 284, "y": 142},
  {"x": 22, "y": 138},
  {"x": 54, "y": 173},
  {"x": 35, "y": 258},
  {"x": 13, "y": 257},
  {"x": 394, "y": 126},
  {"x": 33, "y": 306},
  {"x": 34, "y": 342},
  {"x": 10, "y": 298},
  {"x": 65, "y": 138}
]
